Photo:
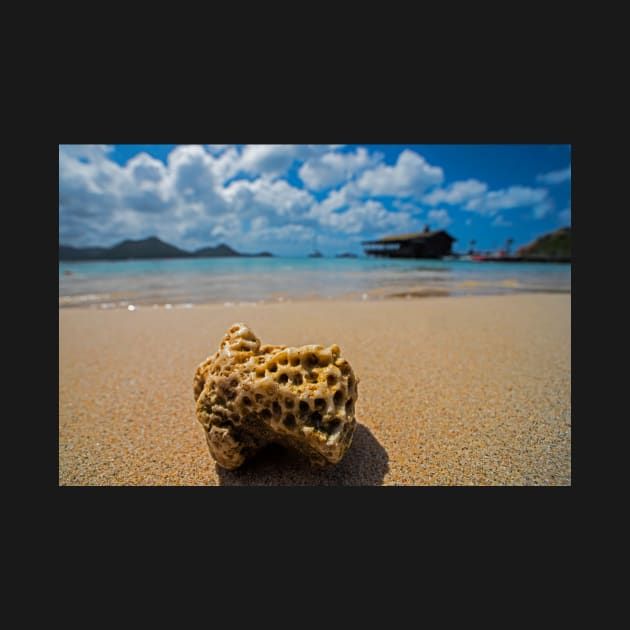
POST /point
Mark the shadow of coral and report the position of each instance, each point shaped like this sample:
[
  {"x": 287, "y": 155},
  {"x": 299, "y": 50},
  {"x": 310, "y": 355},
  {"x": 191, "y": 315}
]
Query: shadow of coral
[{"x": 365, "y": 464}]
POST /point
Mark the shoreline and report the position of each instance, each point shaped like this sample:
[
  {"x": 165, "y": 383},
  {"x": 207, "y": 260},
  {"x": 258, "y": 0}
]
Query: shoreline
[
  {"x": 372, "y": 295},
  {"x": 473, "y": 391}
]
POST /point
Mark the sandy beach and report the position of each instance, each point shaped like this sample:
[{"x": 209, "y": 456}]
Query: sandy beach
[{"x": 453, "y": 391}]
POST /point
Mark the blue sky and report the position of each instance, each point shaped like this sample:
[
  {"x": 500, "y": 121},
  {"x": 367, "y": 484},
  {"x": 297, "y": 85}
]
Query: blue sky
[{"x": 288, "y": 199}]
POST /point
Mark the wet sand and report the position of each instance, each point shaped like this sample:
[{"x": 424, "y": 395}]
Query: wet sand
[{"x": 453, "y": 391}]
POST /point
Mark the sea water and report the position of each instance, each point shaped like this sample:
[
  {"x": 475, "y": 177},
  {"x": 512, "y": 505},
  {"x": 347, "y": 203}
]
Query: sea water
[{"x": 187, "y": 281}]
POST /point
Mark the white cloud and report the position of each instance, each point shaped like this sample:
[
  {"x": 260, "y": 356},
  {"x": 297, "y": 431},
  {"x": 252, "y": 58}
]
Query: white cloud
[
  {"x": 331, "y": 169},
  {"x": 411, "y": 176},
  {"x": 439, "y": 218},
  {"x": 145, "y": 168},
  {"x": 513, "y": 197},
  {"x": 407, "y": 206},
  {"x": 271, "y": 160},
  {"x": 226, "y": 165},
  {"x": 85, "y": 152},
  {"x": 555, "y": 177},
  {"x": 263, "y": 196},
  {"x": 274, "y": 160},
  {"x": 499, "y": 221},
  {"x": 369, "y": 216},
  {"x": 456, "y": 193}
]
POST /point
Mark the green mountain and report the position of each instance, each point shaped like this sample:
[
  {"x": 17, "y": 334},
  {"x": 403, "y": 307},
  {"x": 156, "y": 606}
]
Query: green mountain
[
  {"x": 151, "y": 247},
  {"x": 224, "y": 250},
  {"x": 219, "y": 250},
  {"x": 555, "y": 244}
]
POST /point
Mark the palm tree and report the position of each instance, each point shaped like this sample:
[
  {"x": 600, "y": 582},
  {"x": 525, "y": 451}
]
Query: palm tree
[
  {"x": 508, "y": 244},
  {"x": 471, "y": 246}
]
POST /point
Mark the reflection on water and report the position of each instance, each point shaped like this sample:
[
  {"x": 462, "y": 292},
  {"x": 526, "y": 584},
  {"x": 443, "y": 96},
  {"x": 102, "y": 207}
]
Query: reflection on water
[{"x": 195, "y": 281}]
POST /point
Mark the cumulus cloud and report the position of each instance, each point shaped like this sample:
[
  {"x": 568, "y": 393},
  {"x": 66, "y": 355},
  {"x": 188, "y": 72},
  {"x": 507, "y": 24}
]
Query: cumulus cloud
[
  {"x": 439, "y": 218},
  {"x": 145, "y": 168},
  {"x": 333, "y": 168},
  {"x": 407, "y": 206},
  {"x": 274, "y": 160},
  {"x": 490, "y": 203},
  {"x": 368, "y": 216},
  {"x": 263, "y": 196},
  {"x": 85, "y": 152},
  {"x": 555, "y": 177},
  {"x": 456, "y": 193},
  {"x": 411, "y": 176}
]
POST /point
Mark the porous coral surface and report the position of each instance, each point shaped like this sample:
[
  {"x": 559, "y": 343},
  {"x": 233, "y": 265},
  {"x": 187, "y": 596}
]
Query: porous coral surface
[{"x": 249, "y": 395}]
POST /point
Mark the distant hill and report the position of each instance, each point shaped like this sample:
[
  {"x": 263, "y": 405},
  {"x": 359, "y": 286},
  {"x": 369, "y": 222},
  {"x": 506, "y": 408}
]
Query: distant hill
[
  {"x": 151, "y": 247},
  {"x": 224, "y": 250},
  {"x": 555, "y": 244}
]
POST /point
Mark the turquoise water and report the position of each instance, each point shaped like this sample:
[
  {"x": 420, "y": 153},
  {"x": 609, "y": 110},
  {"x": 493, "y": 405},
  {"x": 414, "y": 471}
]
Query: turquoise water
[{"x": 184, "y": 282}]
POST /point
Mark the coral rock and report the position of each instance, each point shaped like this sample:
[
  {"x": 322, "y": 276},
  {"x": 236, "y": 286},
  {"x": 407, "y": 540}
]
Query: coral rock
[{"x": 249, "y": 395}]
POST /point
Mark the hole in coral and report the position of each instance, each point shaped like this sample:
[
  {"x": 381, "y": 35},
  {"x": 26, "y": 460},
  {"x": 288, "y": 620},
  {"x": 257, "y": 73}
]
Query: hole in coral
[
  {"x": 338, "y": 397},
  {"x": 289, "y": 403},
  {"x": 316, "y": 419},
  {"x": 265, "y": 414},
  {"x": 283, "y": 360},
  {"x": 331, "y": 379},
  {"x": 295, "y": 360},
  {"x": 297, "y": 379},
  {"x": 333, "y": 425},
  {"x": 289, "y": 421},
  {"x": 233, "y": 383},
  {"x": 304, "y": 406},
  {"x": 247, "y": 401},
  {"x": 283, "y": 379},
  {"x": 311, "y": 360},
  {"x": 320, "y": 403},
  {"x": 258, "y": 397},
  {"x": 260, "y": 372},
  {"x": 273, "y": 368},
  {"x": 349, "y": 405},
  {"x": 219, "y": 401},
  {"x": 277, "y": 410}
]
